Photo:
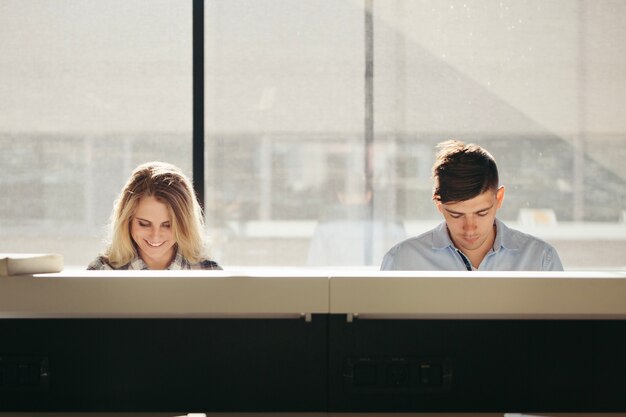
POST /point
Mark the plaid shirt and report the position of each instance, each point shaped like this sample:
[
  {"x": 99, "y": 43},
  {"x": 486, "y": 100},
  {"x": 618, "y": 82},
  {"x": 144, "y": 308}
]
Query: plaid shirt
[{"x": 179, "y": 263}]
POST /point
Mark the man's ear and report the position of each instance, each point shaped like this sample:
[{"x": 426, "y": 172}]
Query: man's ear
[
  {"x": 500, "y": 196},
  {"x": 438, "y": 205}
]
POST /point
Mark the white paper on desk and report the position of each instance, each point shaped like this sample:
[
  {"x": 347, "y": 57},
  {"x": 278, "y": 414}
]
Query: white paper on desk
[{"x": 30, "y": 263}]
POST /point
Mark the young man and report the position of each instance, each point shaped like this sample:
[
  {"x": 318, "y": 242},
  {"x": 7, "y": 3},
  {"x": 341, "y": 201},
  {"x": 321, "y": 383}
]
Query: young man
[{"x": 468, "y": 195}]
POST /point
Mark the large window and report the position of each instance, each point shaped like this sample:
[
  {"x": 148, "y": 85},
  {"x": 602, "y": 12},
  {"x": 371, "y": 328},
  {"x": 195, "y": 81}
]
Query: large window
[
  {"x": 88, "y": 90},
  {"x": 538, "y": 84},
  {"x": 320, "y": 118}
]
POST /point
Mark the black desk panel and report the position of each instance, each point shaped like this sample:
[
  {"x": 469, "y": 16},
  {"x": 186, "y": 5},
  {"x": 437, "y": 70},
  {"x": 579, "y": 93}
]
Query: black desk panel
[
  {"x": 163, "y": 365},
  {"x": 529, "y": 366}
]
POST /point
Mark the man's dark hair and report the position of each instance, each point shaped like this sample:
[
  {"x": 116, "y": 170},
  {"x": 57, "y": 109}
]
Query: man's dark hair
[{"x": 462, "y": 172}]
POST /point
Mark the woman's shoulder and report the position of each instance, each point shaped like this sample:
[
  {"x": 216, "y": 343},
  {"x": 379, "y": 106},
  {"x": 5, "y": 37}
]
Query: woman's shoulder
[
  {"x": 102, "y": 263},
  {"x": 99, "y": 263},
  {"x": 206, "y": 264}
]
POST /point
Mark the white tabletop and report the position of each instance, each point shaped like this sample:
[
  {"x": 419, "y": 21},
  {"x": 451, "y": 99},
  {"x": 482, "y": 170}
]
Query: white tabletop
[{"x": 302, "y": 292}]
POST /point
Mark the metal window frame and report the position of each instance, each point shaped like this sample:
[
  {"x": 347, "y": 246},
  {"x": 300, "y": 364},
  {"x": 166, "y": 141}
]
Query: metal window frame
[{"x": 198, "y": 99}]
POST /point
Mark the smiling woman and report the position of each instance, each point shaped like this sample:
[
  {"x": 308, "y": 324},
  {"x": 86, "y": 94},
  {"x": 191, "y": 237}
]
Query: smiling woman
[{"x": 156, "y": 223}]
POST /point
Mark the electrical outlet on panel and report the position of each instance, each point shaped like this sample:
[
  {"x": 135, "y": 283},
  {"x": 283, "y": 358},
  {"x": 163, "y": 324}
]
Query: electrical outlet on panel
[
  {"x": 398, "y": 374},
  {"x": 24, "y": 373},
  {"x": 430, "y": 374}
]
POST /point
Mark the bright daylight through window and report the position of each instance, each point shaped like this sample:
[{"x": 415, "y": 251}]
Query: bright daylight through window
[{"x": 321, "y": 120}]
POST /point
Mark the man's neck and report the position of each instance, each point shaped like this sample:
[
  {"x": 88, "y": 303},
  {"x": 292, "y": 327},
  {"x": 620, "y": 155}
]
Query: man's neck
[{"x": 477, "y": 255}]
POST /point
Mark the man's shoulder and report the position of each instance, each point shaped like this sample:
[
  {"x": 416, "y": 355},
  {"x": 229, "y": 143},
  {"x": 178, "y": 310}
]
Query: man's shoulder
[
  {"x": 426, "y": 251},
  {"x": 414, "y": 246},
  {"x": 530, "y": 252},
  {"x": 517, "y": 239},
  {"x": 419, "y": 242}
]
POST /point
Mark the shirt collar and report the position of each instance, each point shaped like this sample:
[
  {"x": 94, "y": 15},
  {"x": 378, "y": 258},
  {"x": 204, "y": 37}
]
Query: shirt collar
[
  {"x": 179, "y": 261},
  {"x": 137, "y": 264},
  {"x": 177, "y": 264},
  {"x": 441, "y": 238},
  {"x": 504, "y": 237}
]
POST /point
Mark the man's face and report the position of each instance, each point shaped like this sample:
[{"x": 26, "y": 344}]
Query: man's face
[{"x": 471, "y": 222}]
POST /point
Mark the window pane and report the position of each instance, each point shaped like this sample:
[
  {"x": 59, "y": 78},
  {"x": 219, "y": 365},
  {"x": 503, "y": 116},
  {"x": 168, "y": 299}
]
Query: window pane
[
  {"x": 88, "y": 90},
  {"x": 285, "y": 107},
  {"x": 539, "y": 84}
]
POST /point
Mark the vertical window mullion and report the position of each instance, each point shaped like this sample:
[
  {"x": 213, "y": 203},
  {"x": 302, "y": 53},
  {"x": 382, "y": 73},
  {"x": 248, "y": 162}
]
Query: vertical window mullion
[{"x": 198, "y": 99}]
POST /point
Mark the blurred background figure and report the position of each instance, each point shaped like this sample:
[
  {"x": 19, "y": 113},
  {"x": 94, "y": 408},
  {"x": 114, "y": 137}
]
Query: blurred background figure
[{"x": 347, "y": 233}]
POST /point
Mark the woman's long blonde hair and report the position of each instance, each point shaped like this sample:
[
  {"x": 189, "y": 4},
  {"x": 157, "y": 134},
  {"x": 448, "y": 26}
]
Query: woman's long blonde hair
[{"x": 170, "y": 186}]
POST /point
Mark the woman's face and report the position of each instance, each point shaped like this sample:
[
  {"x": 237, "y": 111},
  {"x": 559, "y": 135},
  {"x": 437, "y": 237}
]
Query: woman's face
[{"x": 151, "y": 229}]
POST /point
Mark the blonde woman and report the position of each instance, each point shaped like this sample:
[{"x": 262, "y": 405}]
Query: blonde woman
[{"x": 156, "y": 223}]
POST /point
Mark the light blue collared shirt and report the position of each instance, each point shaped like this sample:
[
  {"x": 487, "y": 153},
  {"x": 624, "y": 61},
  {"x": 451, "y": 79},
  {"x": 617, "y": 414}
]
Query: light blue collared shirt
[{"x": 434, "y": 251}]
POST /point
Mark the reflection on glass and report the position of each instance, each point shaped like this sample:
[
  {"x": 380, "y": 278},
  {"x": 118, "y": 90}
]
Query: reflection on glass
[{"x": 534, "y": 83}]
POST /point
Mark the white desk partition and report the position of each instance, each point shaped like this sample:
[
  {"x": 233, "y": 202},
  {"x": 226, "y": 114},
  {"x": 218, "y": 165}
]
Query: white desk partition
[
  {"x": 163, "y": 294},
  {"x": 463, "y": 295},
  {"x": 574, "y": 295}
]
